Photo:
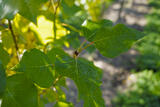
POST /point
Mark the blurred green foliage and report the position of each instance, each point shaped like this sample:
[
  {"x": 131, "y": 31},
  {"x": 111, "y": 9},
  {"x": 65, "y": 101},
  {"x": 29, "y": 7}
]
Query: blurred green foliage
[
  {"x": 142, "y": 93},
  {"x": 149, "y": 47}
]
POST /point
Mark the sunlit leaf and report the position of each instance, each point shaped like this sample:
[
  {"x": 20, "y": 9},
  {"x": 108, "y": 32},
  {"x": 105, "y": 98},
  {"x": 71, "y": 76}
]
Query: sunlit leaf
[
  {"x": 44, "y": 30},
  {"x": 63, "y": 104},
  {"x": 69, "y": 2},
  {"x": 7, "y": 39}
]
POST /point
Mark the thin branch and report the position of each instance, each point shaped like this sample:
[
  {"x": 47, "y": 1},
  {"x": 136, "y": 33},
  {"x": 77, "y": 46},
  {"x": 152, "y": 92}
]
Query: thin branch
[
  {"x": 71, "y": 27},
  {"x": 14, "y": 38},
  {"x": 122, "y": 2},
  {"x": 54, "y": 18}
]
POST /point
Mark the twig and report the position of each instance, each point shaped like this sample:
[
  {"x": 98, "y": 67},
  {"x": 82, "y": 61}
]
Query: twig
[
  {"x": 71, "y": 27},
  {"x": 122, "y": 2},
  {"x": 14, "y": 38},
  {"x": 54, "y": 18}
]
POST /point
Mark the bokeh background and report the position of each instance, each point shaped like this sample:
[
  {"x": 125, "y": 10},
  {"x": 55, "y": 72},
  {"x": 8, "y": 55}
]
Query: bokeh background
[{"x": 129, "y": 80}]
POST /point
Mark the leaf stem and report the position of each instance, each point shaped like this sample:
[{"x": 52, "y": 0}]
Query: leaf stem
[
  {"x": 82, "y": 45},
  {"x": 86, "y": 47},
  {"x": 56, "y": 80},
  {"x": 80, "y": 49},
  {"x": 14, "y": 38}
]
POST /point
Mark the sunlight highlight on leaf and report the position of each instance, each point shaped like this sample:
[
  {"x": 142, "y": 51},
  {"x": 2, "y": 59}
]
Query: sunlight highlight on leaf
[{"x": 44, "y": 29}]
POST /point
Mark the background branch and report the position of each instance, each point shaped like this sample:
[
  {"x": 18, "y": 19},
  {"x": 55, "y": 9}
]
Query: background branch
[{"x": 14, "y": 38}]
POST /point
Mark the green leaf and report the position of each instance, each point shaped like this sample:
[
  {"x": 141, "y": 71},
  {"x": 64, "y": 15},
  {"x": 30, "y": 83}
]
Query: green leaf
[
  {"x": 69, "y": 10},
  {"x": 73, "y": 40},
  {"x": 89, "y": 77},
  {"x": 37, "y": 67},
  {"x": 52, "y": 55},
  {"x": 4, "y": 56},
  {"x": 27, "y": 8},
  {"x": 20, "y": 92},
  {"x": 111, "y": 41},
  {"x": 2, "y": 80},
  {"x": 57, "y": 52},
  {"x": 90, "y": 28},
  {"x": 86, "y": 76}
]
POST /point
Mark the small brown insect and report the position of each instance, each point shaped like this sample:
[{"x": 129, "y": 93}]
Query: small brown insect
[{"x": 78, "y": 51}]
